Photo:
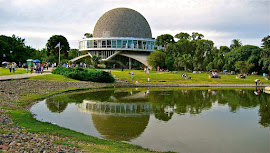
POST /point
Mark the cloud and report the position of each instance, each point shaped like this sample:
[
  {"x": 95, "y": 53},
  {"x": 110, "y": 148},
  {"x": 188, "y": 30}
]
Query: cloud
[{"x": 220, "y": 21}]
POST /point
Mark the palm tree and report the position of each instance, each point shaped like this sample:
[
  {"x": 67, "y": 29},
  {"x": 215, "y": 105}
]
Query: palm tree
[
  {"x": 236, "y": 43},
  {"x": 95, "y": 60}
]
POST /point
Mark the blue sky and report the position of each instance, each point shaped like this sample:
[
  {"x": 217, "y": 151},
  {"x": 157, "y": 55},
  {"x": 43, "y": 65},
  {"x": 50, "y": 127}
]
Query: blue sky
[{"x": 218, "y": 20}]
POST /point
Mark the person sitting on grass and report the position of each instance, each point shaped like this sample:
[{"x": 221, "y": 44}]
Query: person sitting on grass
[{"x": 186, "y": 76}]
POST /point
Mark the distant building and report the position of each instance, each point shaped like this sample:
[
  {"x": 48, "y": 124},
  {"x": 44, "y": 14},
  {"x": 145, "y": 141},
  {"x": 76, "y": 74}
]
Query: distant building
[{"x": 120, "y": 32}]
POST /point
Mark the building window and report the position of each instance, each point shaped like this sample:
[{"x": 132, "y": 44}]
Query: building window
[
  {"x": 129, "y": 43},
  {"x": 135, "y": 43},
  {"x": 113, "y": 43},
  {"x": 140, "y": 44},
  {"x": 103, "y": 43},
  {"x": 124, "y": 44},
  {"x": 99, "y": 43},
  {"x": 119, "y": 43},
  {"x": 95, "y": 44},
  {"x": 109, "y": 43}
]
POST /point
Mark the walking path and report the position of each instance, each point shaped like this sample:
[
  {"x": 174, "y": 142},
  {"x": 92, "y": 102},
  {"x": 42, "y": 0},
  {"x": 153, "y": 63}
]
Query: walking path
[{"x": 23, "y": 76}]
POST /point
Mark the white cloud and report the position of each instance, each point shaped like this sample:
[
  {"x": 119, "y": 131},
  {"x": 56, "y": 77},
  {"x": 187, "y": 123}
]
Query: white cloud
[{"x": 219, "y": 20}]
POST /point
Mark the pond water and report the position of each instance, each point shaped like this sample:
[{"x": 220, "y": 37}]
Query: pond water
[{"x": 167, "y": 119}]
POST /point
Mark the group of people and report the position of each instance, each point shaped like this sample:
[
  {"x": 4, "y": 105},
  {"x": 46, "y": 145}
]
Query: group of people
[{"x": 12, "y": 67}]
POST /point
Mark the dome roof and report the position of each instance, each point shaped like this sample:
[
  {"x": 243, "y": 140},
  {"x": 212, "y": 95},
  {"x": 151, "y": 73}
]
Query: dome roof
[{"x": 122, "y": 22}]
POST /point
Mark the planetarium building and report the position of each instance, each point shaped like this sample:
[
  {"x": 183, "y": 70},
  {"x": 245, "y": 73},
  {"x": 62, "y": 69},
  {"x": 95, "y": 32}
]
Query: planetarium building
[{"x": 120, "y": 32}]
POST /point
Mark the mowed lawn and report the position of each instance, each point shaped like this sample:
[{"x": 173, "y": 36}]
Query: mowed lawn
[
  {"x": 4, "y": 71},
  {"x": 176, "y": 77}
]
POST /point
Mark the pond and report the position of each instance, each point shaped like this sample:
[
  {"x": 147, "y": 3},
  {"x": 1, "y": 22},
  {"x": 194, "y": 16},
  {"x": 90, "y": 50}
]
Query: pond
[{"x": 183, "y": 120}]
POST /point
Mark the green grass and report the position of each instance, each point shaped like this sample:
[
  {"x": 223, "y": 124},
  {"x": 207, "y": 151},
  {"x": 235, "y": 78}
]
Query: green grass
[
  {"x": 4, "y": 71},
  {"x": 51, "y": 77},
  {"x": 92, "y": 144},
  {"x": 175, "y": 77}
]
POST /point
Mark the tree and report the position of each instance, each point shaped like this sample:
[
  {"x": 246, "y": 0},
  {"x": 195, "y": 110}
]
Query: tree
[
  {"x": 196, "y": 36},
  {"x": 88, "y": 35},
  {"x": 183, "y": 61},
  {"x": 203, "y": 55},
  {"x": 182, "y": 35},
  {"x": 73, "y": 53},
  {"x": 235, "y": 44},
  {"x": 157, "y": 58},
  {"x": 249, "y": 53},
  {"x": 163, "y": 40},
  {"x": 224, "y": 49},
  {"x": 243, "y": 66},
  {"x": 13, "y": 49},
  {"x": 53, "y": 41},
  {"x": 95, "y": 60},
  {"x": 169, "y": 62},
  {"x": 265, "y": 54}
]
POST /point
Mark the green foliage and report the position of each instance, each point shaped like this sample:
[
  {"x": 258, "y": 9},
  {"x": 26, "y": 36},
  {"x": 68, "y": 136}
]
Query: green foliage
[
  {"x": 244, "y": 53},
  {"x": 88, "y": 35},
  {"x": 169, "y": 62},
  {"x": 13, "y": 49},
  {"x": 236, "y": 43},
  {"x": 243, "y": 66},
  {"x": 84, "y": 74},
  {"x": 196, "y": 36},
  {"x": 53, "y": 41},
  {"x": 224, "y": 49},
  {"x": 265, "y": 55},
  {"x": 157, "y": 58},
  {"x": 165, "y": 39},
  {"x": 182, "y": 35},
  {"x": 95, "y": 60},
  {"x": 183, "y": 61}
]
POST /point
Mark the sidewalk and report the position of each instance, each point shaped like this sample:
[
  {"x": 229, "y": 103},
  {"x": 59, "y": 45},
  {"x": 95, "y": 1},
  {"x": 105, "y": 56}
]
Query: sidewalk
[{"x": 23, "y": 76}]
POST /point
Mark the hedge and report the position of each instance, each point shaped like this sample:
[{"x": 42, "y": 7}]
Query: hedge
[{"x": 82, "y": 74}]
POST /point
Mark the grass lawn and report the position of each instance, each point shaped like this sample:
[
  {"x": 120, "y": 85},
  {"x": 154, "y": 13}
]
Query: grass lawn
[
  {"x": 4, "y": 71},
  {"x": 51, "y": 77},
  {"x": 175, "y": 77},
  {"x": 88, "y": 143}
]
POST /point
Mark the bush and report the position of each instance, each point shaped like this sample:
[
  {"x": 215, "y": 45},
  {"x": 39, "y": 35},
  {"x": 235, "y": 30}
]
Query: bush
[{"x": 84, "y": 74}]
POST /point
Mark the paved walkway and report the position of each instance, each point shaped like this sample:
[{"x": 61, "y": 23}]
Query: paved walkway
[{"x": 22, "y": 76}]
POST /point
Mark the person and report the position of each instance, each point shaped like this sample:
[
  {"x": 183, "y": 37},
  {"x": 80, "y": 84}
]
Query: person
[
  {"x": 145, "y": 69},
  {"x": 9, "y": 66},
  {"x": 13, "y": 67},
  {"x": 26, "y": 66},
  {"x": 256, "y": 81}
]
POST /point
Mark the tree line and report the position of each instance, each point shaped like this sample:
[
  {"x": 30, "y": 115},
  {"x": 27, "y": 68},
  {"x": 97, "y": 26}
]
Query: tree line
[
  {"x": 14, "y": 49},
  {"x": 192, "y": 52}
]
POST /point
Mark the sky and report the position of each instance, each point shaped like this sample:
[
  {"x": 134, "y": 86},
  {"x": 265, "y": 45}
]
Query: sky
[{"x": 218, "y": 20}]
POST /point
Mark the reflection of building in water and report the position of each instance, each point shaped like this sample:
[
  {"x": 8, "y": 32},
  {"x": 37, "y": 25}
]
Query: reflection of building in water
[
  {"x": 118, "y": 121},
  {"x": 115, "y": 108}
]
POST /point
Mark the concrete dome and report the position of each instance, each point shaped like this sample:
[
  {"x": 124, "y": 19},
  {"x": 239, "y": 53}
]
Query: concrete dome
[{"x": 122, "y": 22}]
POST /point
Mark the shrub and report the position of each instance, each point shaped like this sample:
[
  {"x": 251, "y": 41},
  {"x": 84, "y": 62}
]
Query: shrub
[{"x": 84, "y": 74}]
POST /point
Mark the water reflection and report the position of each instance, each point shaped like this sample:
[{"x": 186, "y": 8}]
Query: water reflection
[{"x": 162, "y": 103}]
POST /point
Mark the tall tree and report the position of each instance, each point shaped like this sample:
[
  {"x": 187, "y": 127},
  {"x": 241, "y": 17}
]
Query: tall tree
[
  {"x": 236, "y": 43},
  {"x": 182, "y": 35},
  {"x": 163, "y": 40},
  {"x": 157, "y": 58},
  {"x": 13, "y": 49},
  {"x": 265, "y": 54},
  {"x": 53, "y": 41},
  {"x": 248, "y": 53},
  {"x": 196, "y": 36},
  {"x": 224, "y": 49},
  {"x": 243, "y": 66},
  {"x": 183, "y": 61}
]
